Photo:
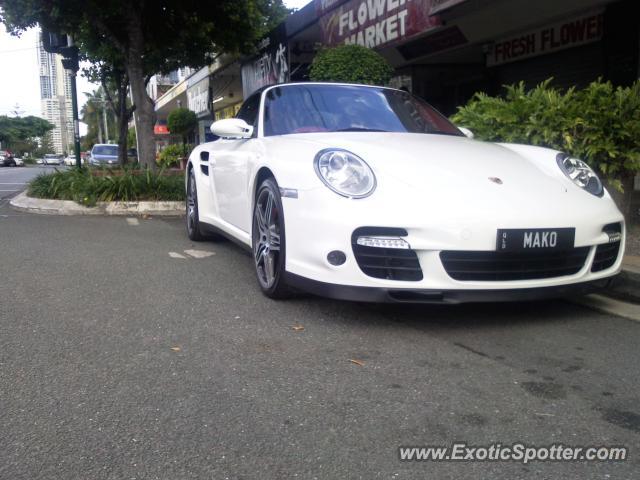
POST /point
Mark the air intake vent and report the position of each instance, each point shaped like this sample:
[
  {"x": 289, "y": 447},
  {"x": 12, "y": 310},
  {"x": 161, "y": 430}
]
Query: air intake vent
[
  {"x": 505, "y": 266},
  {"x": 607, "y": 253},
  {"x": 386, "y": 263}
]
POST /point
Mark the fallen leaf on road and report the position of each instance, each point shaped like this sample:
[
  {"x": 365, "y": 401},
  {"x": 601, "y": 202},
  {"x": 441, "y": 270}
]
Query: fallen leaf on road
[
  {"x": 357, "y": 362},
  {"x": 298, "y": 328},
  {"x": 176, "y": 349},
  {"x": 146, "y": 216}
]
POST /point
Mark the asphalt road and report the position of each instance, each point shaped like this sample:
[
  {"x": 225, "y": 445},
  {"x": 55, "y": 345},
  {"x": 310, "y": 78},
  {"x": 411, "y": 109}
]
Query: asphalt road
[
  {"x": 14, "y": 180},
  {"x": 121, "y": 360}
]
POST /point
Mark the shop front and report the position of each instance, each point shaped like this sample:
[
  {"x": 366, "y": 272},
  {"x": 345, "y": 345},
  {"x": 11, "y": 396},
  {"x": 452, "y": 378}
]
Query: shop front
[
  {"x": 446, "y": 50},
  {"x": 199, "y": 102},
  {"x": 270, "y": 65},
  {"x": 226, "y": 91}
]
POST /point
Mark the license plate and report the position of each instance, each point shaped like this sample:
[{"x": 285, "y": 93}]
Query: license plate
[{"x": 534, "y": 239}]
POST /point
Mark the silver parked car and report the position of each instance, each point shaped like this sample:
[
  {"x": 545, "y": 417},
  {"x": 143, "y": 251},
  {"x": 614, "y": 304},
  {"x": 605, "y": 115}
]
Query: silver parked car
[{"x": 52, "y": 159}]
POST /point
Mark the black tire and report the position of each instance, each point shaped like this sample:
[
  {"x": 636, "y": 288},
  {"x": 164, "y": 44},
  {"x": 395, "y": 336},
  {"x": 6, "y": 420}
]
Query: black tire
[
  {"x": 193, "y": 221},
  {"x": 269, "y": 242}
]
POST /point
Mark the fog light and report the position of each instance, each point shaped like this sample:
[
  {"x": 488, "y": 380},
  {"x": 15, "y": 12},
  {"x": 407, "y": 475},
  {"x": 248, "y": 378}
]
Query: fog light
[
  {"x": 614, "y": 236},
  {"x": 383, "y": 242},
  {"x": 336, "y": 257}
]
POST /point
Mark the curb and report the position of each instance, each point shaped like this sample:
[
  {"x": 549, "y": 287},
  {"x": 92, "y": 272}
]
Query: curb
[
  {"x": 625, "y": 286},
  {"x": 22, "y": 202},
  {"x": 612, "y": 306}
]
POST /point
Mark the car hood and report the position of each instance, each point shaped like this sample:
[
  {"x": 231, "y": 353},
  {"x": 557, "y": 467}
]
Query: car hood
[
  {"x": 437, "y": 161},
  {"x": 467, "y": 176},
  {"x": 104, "y": 157}
]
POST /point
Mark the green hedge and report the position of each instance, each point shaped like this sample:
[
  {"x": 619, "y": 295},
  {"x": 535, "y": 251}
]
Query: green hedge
[
  {"x": 350, "y": 64},
  {"x": 171, "y": 155},
  {"x": 118, "y": 185}
]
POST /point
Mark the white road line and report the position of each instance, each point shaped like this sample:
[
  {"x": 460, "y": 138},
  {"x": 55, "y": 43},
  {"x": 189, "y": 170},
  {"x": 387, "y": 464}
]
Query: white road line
[
  {"x": 177, "y": 255},
  {"x": 133, "y": 221},
  {"x": 199, "y": 253}
]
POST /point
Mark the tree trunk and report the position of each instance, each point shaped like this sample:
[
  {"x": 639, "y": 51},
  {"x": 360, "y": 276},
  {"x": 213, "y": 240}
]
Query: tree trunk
[
  {"x": 145, "y": 115},
  {"x": 627, "y": 199},
  {"x": 123, "y": 119},
  {"x": 123, "y": 126}
]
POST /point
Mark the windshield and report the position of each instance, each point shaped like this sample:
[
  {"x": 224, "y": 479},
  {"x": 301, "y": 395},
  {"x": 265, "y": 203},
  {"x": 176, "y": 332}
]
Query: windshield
[
  {"x": 111, "y": 150},
  {"x": 343, "y": 108}
]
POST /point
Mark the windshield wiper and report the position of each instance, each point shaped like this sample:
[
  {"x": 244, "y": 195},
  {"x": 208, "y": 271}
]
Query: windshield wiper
[{"x": 359, "y": 129}]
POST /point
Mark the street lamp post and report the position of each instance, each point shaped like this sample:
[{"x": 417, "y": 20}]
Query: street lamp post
[
  {"x": 63, "y": 44},
  {"x": 70, "y": 62},
  {"x": 104, "y": 117}
]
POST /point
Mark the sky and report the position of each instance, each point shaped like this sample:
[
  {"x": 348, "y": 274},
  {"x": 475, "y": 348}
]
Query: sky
[{"x": 19, "y": 78}]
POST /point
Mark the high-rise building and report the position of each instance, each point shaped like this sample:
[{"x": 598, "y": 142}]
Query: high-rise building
[{"x": 55, "y": 98}]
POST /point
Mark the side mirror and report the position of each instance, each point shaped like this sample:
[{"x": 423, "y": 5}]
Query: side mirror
[
  {"x": 467, "y": 133},
  {"x": 232, "y": 128}
]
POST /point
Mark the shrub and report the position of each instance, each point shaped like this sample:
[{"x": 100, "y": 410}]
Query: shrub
[
  {"x": 182, "y": 121},
  {"x": 118, "y": 185},
  {"x": 599, "y": 124},
  {"x": 171, "y": 155},
  {"x": 350, "y": 64}
]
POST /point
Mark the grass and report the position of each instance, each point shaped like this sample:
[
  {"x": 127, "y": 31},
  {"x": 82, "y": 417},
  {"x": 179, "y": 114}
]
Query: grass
[{"x": 122, "y": 185}]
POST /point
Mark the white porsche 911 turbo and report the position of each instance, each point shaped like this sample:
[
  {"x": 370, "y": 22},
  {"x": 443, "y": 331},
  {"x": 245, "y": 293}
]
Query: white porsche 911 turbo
[{"x": 367, "y": 193}]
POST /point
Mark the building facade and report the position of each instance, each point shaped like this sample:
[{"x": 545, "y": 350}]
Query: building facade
[
  {"x": 443, "y": 51},
  {"x": 55, "y": 98},
  {"x": 446, "y": 50}
]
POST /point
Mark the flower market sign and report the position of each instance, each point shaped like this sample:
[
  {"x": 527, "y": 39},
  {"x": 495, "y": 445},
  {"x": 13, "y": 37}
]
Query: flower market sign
[
  {"x": 376, "y": 23},
  {"x": 569, "y": 33}
]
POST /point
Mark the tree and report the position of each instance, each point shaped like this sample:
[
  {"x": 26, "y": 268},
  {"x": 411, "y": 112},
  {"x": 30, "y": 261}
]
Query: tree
[
  {"x": 151, "y": 37},
  {"x": 107, "y": 69},
  {"x": 182, "y": 121},
  {"x": 20, "y": 134},
  {"x": 46, "y": 146},
  {"x": 350, "y": 64}
]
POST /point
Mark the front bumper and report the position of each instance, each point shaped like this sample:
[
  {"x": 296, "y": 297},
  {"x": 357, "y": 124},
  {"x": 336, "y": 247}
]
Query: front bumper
[
  {"x": 400, "y": 295},
  {"x": 319, "y": 222},
  {"x": 105, "y": 164}
]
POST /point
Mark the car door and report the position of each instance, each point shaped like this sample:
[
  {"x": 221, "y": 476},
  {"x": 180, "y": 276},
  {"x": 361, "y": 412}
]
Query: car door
[{"x": 230, "y": 167}]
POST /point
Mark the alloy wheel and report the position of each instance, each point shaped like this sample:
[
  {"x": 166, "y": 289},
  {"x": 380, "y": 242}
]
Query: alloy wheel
[
  {"x": 266, "y": 233},
  {"x": 191, "y": 204}
]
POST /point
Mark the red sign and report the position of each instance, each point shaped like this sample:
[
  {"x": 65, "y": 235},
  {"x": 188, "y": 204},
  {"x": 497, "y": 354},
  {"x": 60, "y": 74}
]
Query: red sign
[
  {"x": 160, "y": 129},
  {"x": 376, "y": 23},
  {"x": 566, "y": 34}
]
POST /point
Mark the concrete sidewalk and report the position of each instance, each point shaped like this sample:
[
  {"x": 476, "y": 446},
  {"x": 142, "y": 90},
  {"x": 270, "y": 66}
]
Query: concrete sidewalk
[
  {"x": 23, "y": 202},
  {"x": 632, "y": 264}
]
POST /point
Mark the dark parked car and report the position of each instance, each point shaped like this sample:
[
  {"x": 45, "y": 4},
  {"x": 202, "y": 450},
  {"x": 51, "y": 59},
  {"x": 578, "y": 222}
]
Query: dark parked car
[{"x": 6, "y": 159}]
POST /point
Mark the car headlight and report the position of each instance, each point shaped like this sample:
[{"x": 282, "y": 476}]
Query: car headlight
[
  {"x": 581, "y": 174},
  {"x": 345, "y": 173}
]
